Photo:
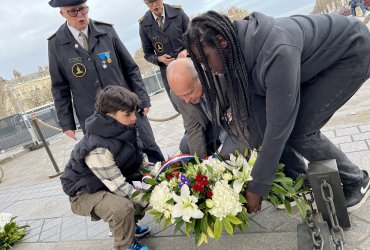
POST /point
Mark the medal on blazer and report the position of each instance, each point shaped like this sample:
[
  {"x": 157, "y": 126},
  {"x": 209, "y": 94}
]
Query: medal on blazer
[
  {"x": 159, "y": 47},
  {"x": 105, "y": 58},
  {"x": 79, "y": 70}
]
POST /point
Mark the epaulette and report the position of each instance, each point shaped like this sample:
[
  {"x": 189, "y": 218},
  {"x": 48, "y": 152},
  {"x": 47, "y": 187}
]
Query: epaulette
[
  {"x": 50, "y": 37},
  {"x": 101, "y": 22},
  {"x": 141, "y": 19},
  {"x": 177, "y": 6}
]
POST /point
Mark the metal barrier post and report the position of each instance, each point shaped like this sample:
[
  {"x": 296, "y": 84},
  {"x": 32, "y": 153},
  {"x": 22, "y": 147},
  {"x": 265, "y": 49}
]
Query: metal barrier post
[
  {"x": 36, "y": 125},
  {"x": 322, "y": 172}
]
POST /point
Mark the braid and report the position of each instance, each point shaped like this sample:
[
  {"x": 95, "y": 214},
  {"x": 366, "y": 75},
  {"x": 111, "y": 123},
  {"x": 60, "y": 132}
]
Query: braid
[{"x": 204, "y": 31}]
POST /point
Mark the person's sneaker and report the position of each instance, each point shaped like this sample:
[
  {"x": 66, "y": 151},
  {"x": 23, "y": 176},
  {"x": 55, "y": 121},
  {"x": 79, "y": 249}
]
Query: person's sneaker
[
  {"x": 356, "y": 195},
  {"x": 141, "y": 231},
  {"x": 136, "y": 245}
]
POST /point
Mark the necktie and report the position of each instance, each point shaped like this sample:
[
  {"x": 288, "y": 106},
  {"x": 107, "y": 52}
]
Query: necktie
[
  {"x": 160, "y": 22},
  {"x": 85, "y": 44}
]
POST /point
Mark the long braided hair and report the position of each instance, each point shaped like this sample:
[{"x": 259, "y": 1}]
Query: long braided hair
[{"x": 204, "y": 31}]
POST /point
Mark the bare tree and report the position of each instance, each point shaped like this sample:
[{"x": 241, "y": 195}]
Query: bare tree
[{"x": 329, "y": 6}]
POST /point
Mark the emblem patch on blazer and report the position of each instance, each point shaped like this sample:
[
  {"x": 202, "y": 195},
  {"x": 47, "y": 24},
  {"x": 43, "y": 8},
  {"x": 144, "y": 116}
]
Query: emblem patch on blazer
[
  {"x": 159, "y": 47},
  {"x": 79, "y": 70}
]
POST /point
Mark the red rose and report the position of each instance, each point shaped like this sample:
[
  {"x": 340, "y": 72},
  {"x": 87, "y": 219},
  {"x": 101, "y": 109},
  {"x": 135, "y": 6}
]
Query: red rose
[
  {"x": 169, "y": 176},
  {"x": 209, "y": 194},
  {"x": 199, "y": 178}
]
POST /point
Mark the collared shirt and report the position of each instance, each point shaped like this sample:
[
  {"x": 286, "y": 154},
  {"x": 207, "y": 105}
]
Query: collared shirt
[
  {"x": 76, "y": 33},
  {"x": 156, "y": 17}
]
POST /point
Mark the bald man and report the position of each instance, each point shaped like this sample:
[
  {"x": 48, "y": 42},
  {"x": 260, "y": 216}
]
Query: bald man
[{"x": 187, "y": 95}]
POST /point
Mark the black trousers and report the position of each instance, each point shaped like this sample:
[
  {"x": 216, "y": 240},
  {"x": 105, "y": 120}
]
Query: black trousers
[
  {"x": 320, "y": 99},
  {"x": 151, "y": 148}
]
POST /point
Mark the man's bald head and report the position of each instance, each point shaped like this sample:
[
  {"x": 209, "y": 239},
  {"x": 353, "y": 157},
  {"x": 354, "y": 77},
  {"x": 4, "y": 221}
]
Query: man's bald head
[{"x": 184, "y": 81}]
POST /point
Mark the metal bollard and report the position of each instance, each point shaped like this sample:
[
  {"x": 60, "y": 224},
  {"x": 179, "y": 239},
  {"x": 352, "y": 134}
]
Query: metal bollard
[
  {"x": 38, "y": 130},
  {"x": 322, "y": 172}
]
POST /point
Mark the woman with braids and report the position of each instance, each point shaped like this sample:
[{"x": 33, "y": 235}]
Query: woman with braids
[{"x": 285, "y": 78}]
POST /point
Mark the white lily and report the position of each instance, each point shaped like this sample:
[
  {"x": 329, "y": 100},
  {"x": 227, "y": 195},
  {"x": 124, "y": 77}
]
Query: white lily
[
  {"x": 241, "y": 177},
  {"x": 185, "y": 206}
]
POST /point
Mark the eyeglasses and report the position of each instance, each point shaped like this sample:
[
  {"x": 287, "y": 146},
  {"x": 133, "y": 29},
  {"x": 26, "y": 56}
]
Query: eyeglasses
[
  {"x": 151, "y": 2},
  {"x": 74, "y": 12}
]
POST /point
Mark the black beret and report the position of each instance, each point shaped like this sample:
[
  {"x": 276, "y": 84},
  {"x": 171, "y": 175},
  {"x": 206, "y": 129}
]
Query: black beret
[{"x": 64, "y": 3}]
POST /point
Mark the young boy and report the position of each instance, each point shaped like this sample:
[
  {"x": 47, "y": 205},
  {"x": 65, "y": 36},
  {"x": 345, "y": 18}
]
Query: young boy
[{"x": 103, "y": 164}]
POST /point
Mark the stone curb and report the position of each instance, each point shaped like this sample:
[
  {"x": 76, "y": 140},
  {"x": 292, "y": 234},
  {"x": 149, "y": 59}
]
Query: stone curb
[{"x": 13, "y": 156}]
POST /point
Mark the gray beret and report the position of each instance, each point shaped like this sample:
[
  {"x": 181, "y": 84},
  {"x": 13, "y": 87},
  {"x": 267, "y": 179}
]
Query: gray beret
[{"x": 64, "y": 3}]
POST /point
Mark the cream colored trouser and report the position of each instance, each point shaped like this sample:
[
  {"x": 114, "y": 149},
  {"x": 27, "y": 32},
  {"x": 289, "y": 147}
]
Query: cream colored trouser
[{"x": 114, "y": 209}]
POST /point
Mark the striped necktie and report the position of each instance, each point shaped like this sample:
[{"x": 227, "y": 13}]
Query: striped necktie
[
  {"x": 85, "y": 44},
  {"x": 160, "y": 22}
]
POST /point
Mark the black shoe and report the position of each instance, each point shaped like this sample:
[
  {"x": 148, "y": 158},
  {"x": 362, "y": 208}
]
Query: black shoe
[{"x": 356, "y": 195}]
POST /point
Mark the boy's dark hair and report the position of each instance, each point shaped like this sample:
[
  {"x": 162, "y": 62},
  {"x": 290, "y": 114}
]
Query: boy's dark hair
[{"x": 115, "y": 98}]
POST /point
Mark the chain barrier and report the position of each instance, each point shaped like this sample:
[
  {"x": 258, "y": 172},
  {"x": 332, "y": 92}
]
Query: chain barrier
[
  {"x": 163, "y": 119},
  {"x": 316, "y": 236},
  {"x": 336, "y": 230}
]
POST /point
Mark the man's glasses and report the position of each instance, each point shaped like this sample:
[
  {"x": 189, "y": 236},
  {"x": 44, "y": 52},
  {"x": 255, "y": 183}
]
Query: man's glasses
[
  {"x": 151, "y": 2},
  {"x": 74, "y": 12}
]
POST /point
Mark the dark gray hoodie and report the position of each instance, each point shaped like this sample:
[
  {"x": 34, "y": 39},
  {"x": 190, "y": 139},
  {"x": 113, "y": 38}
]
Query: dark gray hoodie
[{"x": 280, "y": 55}]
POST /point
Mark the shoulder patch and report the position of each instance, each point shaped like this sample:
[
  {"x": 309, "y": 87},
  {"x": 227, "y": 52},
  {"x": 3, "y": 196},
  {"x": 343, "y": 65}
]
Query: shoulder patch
[
  {"x": 141, "y": 19},
  {"x": 101, "y": 22},
  {"x": 177, "y": 6},
  {"x": 50, "y": 37}
]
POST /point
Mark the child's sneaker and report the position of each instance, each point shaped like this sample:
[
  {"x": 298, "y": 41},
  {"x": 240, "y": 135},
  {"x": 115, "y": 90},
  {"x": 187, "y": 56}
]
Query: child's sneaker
[
  {"x": 136, "y": 245},
  {"x": 141, "y": 231},
  {"x": 356, "y": 195}
]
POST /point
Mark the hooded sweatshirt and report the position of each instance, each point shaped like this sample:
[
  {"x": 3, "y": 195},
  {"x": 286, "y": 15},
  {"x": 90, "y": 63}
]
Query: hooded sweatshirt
[{"x": 280, "y": 55}]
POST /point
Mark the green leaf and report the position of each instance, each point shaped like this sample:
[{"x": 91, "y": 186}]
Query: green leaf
[
  {"x": 242, "y": 199},
  {"x": 151, "y": 182},
  {"x": 273, "y": 199},
  {"x": 165, "y": 223},
  {"x": 302, "y": 206},
  {"x": 210, "y": 232},
  {"x": 134, "y": 194},
  {"x": 233, "y": 220},
  {"x": 188, "y": 228},
  {"x": 204, "y": 224},
  {"x": 146, "y": 196},
  {"x": 196, "y": 158},
  {"x": 217, "y": 229},
  {"x": 288, "y": 207},
  {"x": 202, "y": 206},
  {"x": 298, "y": 183},
  {"x": 229, "y": 228},
  {"x": 179, "y": 225},
  {"x": 278, "y": 189},
  {"x": 203, "y": 238}
]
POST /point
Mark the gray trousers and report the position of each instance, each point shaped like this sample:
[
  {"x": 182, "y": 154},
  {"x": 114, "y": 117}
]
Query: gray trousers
[
  {"x": 116, "y": 210},
  {"x": 320, "y": 99}
]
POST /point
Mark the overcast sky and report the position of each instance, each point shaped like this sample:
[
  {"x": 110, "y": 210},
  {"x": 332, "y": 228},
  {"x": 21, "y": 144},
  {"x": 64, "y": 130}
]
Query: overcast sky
[{"x": 26, "y": 24}]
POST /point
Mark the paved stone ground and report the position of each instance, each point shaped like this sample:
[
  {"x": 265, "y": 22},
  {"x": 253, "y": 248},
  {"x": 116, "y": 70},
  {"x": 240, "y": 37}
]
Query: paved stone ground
[{"x": 28, "y": 193}]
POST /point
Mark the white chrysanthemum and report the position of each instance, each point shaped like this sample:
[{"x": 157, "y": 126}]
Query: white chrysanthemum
[
  {"x": 225, "y": 201},
  {"x": 217, "y": 166},
  {"x": 160, "y": 195}
]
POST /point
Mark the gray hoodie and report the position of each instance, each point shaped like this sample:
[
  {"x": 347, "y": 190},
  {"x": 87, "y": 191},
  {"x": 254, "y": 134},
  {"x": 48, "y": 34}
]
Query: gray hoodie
[{"x": 281, "y": 54}]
